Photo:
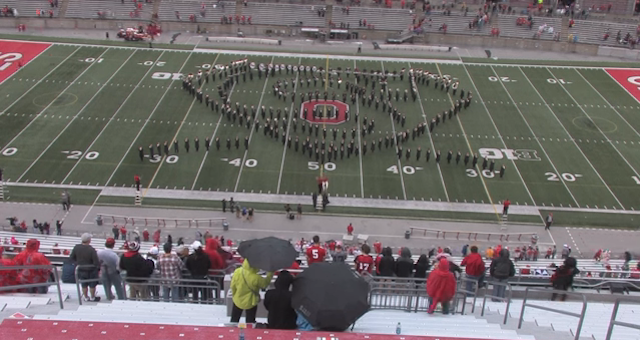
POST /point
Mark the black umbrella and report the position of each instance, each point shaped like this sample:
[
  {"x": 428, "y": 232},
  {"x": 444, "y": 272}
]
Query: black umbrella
[
  {"x": 269, "y": 253},
  {"x": 330, "y": 296}
]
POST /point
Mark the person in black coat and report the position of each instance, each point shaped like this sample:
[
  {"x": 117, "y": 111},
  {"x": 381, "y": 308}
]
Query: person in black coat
[
  {"x": 404, "y": 264},
  {"x": 421, "y": 267},
  {"x": 387, "y": 264},
  {"x": 562, "y": 279},
  {"x": 198, "y": 265},
  {"x": 278, "y": 302}
]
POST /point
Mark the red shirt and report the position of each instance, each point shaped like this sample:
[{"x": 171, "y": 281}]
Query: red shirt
[
  {"x": 377, "y": 247},
  {"x": 350, "y": 229},
  {"x": 315, "y": 254},
  {"x": 364, "y": 263},
  {"x": 507, "y": 203}
]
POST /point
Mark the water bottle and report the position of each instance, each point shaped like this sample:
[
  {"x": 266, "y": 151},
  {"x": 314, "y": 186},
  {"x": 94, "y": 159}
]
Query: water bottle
[
  {"x": 398, "y": 329},
  {"x": 241, "y": 332}
]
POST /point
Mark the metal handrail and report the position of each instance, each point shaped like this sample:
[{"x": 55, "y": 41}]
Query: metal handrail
[
  {"x": 580, "y": 315},
  {"x": 55, "y": 282},
  {"x": 157, "y": 281},
  {"x": 465, "y": 292},
  {"x": 507, "y": 299},
  {"x": 614, "y": 322}
]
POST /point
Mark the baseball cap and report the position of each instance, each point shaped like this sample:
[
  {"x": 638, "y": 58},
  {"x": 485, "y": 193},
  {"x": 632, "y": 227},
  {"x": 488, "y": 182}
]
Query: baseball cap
[
  {"x": 133, "y": 246},
  {"x": 86, "y": 237},
  {"x": 195, "y": 245},
  {"x": 110, "y": 242}
]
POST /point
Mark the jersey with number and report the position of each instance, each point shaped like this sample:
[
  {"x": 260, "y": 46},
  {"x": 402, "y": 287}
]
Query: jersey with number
[
  {"x": 315, "y": 254},
  {"x": 364, "y": 263}
]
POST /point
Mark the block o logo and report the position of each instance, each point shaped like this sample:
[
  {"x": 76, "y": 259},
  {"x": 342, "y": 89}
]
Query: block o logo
[{"x": 324, "y": 111}]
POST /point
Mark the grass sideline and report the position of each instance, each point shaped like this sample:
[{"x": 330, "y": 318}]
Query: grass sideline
[{"x": 101, "y": 42}]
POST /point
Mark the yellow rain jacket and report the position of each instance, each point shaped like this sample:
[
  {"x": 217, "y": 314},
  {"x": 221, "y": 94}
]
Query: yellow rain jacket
[{"x": 246, "y": 285}]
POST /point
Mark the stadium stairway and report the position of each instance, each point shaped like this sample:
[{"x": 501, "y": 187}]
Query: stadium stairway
[{"x": 546, "y": 325}]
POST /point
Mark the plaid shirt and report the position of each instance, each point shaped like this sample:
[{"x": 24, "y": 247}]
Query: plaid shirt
[{"x": 170, "y": 267}]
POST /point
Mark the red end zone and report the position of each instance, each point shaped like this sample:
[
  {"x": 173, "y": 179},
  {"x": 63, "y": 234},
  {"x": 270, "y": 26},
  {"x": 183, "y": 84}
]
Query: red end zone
[
  {"x": 14, "y": 54},
  {"x": 629, "y": 78}
]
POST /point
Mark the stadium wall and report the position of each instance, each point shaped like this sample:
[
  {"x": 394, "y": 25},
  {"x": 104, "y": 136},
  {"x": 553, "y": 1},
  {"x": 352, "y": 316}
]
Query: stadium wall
[{"x": 260, "y": 30}]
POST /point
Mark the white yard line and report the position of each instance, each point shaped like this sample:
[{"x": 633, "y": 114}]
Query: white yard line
[
  {"x": 284, "y": 149},
  {"x": 599, "y": 130},
  {"x": 137, "y": 135},
  {"x": 570, "y": 137},
  {"x": 27, "y": 92},
  {"x": 215, "y": 131},
  {"x": 111, "y": 119},
  {"x": 244, "y": 157},
  {"x": 466, "y": 139},
  {"x": 395, "y": 137},
  {"x": 536, "y": 138},
  {"x": 175, "y": 137},
  {"x": 76, "y": 115},
  {"x": 360, "y": 143},
  {"x": 29, "y": 62},
  {"x": 609, "y": 103},
  {"x": 500, "y": 136},
  {"x": 433, "y": 146}
]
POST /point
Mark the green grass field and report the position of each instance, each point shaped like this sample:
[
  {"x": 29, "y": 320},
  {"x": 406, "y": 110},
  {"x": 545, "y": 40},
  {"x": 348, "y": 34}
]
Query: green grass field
[{"x": 568, "y": 137}]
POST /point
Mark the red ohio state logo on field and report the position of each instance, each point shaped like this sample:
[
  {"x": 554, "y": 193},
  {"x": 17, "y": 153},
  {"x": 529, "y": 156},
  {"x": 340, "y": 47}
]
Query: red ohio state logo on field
[{"x": 327, "y": 111}]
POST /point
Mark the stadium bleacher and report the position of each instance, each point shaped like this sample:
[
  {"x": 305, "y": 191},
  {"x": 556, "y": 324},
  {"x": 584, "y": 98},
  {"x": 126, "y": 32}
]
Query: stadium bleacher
[
  {"x": 29, "y": 8},
  {"x": 88, "y": 9}
]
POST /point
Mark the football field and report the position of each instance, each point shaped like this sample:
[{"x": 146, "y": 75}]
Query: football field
[{"x": 76, "y": 116}]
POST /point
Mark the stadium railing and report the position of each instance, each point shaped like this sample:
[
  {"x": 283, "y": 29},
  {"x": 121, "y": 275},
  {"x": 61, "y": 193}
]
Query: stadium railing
[
  {"x": 408, "y": 294},
  {"x": 210, "y": 287},
  {"x": 463, "y": 293},
  {"x": 506, "y": 299},
  {"x": 614, "y": 322},
  {"x": 56, "y": 280},
  {"x": 580, "y": 315}
]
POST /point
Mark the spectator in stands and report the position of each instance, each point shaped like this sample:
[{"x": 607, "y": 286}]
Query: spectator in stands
[
  {"x": 441, "y": 287},
  {"x": 31, "y": 256},
  {"x": 123, "y": 233},
  {"x": 88, "y": 265},
  {"x": 145, "y": 235},
  {"x": 377, "y": 247},
  {"x": 350, "y": 229},
  {"x": 421, "y": 267},
  {"x": 316, "y": 253},
  {"x": 488, "y": 254},
  {"x": 501, "y": 269},
  {"x": 245, "y": 287},
  {"x": 562, "y": 279},
  {"x": 198, "y": 265},
  {"x": 364, "y": 261},
  {"x": 339, "y": 255},
  {"x": 277, "y": 302},
  {"x": 7, "y": 277},
  {"x": 58, "y": 227},
  {"x": 138, "y": 271},
  {"x": 404, "y": 264},
  {"x": 170, "y": 267},
  {"x": 217, "y": 262},
  {"x": 116, "y": 231},
  {"x": 110, "y": 274},
  {"x": 387, "y": 264},
  {"x": 474, "y": 268}
]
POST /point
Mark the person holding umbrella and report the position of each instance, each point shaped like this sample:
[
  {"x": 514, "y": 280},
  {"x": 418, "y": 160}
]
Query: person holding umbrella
[
  {"x": 441, "y": 287},
  {"x": 269, "y": 254},
  {"x": 245, "y": 287}
]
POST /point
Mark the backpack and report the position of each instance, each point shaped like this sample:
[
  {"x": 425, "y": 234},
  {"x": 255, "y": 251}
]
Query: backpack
[{"x": 502, "y": 270}]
